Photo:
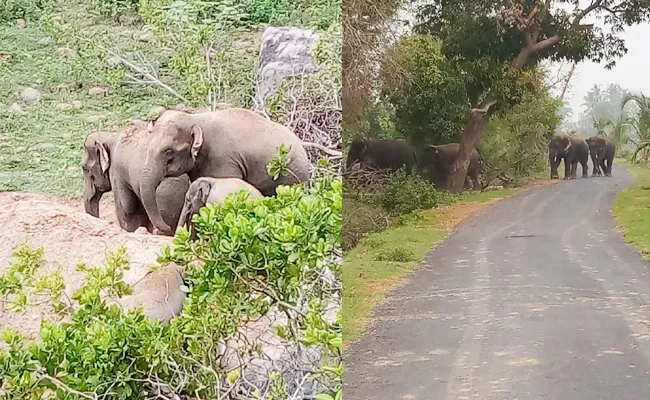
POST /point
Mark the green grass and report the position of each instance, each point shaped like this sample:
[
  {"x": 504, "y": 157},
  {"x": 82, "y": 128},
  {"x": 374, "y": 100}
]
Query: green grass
[
  {"x": 632, "y": 208},
  {"x": 382, "y": 260},
  {"x": 40, "y": 150}
]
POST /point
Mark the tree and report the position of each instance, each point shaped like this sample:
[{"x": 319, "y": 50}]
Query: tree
[
  {"x": 640, "y": 124},
  {"x": 518, "y": 34},
  {"x": 429, "y": 96}
]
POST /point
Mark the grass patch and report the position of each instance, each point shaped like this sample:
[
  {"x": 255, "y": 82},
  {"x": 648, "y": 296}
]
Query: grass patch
[
  {"x": 632, "y": 208},
  {"x": 381, "y": 260}
]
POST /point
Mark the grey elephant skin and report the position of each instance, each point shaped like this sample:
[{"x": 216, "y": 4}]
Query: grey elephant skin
[
  {"x": 602, "y": 151},
  {"x": 387, "y": 154},
  {"x": 208, "y": 190},
  {"x": 232, "y": 143},
  {"x": 114, "y": 161},
  {"x": 436, "y": 162},
  {"x": 573, "y": 150}
]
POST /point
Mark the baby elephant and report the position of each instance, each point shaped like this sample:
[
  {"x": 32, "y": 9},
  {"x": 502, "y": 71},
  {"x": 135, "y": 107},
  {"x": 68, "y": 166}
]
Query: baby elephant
[
  {"x": 211, "y": 190},
  {"x": 158, "y": 294}
]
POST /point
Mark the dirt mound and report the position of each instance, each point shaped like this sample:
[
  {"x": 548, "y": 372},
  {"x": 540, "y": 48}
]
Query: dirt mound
[{"x": 68, "y": 237}]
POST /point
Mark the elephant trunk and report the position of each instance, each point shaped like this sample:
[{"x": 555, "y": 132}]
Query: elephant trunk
[
  {"x": 148, "y": 185},
  {"x": 91, "y": 198},
  {"x": 186, "y": 217}
]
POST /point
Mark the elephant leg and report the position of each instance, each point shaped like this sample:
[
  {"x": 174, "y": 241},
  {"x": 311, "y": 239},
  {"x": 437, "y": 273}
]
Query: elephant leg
[
  {"x": 130, "y": 213},
  {"x": 567, "y": 168},
  {"x": 610, "y": 162},
  {"x": 603, "y": 167},
  {"x": 585, "y": 169},
  {"x": 574, "y": 169}
]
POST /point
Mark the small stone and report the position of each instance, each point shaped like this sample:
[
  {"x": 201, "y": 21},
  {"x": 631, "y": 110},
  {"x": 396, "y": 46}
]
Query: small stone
[
  {"x": 64, "y": 106},
  {"x": 20, "y": 23},
  {"x": 66, "y": 136},
  {"x": 56, "y": 18},
  {"x": 44, "y": 146},
  {"x": 66, "y": 52},
  {"x": 30, "y": 95},
  {"x": 76, "y": 104},
  {"x": 113, "y": 61},
  {"x": 17, "y": 109},
  {"x": 146, "y": 37},
  {"x": 93, "y": 119},
  {"x": 157, "y": 111},
  {"x": 180, "y": 107},
  {"x": 138, "y": 121},
  {"x": 20, "y": 149},
  {"x": 98, "y": 91},
  {"x": 45, "y": 41}
]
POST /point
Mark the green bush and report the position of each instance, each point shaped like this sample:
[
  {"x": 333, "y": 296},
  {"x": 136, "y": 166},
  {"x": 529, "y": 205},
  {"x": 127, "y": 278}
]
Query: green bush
[
  {"x": 113, "y": 8},
  {"x": 11, "y": 10},
  {"x": 251, "y": 256},
  {"x": 396, "y": 254},
  {"x": 406, "y": 193}
]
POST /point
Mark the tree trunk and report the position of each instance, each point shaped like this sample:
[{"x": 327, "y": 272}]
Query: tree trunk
[{"x": 472, "y": 135}]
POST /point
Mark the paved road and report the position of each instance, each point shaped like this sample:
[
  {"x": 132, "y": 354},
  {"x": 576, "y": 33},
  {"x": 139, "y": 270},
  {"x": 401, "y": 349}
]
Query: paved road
[{"x": 539, "y": 298}]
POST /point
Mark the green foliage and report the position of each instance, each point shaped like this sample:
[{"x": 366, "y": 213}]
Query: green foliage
[
  {"x": 255, "y": 255},
  {"x": 406, "y": 193},
  {"x": 113, "y": 8},
  {"x": 396, "y": 254},
  {"x": 29, "y": 10},
  {"x": 427, "y": 92},
  {"x": 515, "y": 144}
]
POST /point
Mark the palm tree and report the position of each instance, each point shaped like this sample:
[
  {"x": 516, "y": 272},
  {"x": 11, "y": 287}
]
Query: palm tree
[{"x": 640, "y": 123}]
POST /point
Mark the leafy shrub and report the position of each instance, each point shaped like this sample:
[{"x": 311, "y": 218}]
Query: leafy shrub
[
  {"x": 252, "y": 256},
  {"x": 113, "y": 8},
  {"x": 11, "y": 10},
  {"x": 360, "y": 218},
  {"x": 396, "y": 254},
  {"x": 406, "y": 193}
]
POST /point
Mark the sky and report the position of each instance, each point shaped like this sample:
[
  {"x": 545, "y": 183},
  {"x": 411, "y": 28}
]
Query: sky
[{"x": 632, "y": 71}]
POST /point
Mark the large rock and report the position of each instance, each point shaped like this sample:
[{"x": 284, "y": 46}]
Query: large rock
[
  {"x": 285, "y": 52},
  {"x": 30, "y": 95}
]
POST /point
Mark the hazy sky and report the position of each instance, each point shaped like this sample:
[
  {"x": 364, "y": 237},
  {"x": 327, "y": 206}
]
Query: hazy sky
[{"x": 632, "y": 71}]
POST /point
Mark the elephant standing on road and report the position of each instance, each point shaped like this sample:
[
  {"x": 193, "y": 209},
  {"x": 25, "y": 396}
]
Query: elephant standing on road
[
  {"x": 114, "y": 161},
  {"x": 602, "y": 152},
  {"x": 436, "y": 162},
  {"x": 231, "y": 143},
  {"x": 381, "y": 154},
  {"x": 573, "y": 149}
]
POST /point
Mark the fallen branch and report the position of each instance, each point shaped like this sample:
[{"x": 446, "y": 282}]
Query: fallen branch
[
  {"x": 150, "y": 75},
  {"x": 332, "y": 152}
]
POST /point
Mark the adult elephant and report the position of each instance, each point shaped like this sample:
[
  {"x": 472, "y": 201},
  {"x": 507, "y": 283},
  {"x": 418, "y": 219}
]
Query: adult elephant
[
  {"x": 232, "y": 143},
  {"x": 573, "y": 150},
  {"x": 602, "y": 150},
  {"x": 387, "y": 154},
  {"x": 114, "y": 161},
  {"x": 436, "y": 162}
]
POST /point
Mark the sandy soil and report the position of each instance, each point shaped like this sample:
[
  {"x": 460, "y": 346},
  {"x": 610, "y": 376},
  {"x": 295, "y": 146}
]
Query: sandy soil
[{"x": 68, "y": 237}]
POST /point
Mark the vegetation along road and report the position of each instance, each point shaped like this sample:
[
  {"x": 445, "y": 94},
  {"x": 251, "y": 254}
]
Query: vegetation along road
[{"x": 538, "y": 299}]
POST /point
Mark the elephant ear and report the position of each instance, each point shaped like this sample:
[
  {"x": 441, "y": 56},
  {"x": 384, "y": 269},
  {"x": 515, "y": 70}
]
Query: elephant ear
[
  {"x": 102, "y": 156},
  {"x": 203, "y": 191},
  {"x": 197, "y": 140}
]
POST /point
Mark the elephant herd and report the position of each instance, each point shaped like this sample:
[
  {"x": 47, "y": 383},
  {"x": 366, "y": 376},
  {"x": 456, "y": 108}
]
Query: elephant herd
[
  {"x": 574, "y": 150},
  {"x": 164, "y": 172},
  {"x": 433, "y": 162}
]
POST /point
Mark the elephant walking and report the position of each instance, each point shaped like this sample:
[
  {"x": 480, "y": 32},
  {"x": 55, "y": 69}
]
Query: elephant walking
[
  {"x": 573, "y": 150},
  {"x": 436, "y": 162},
  {"x": 231, "y": 143},
  {"x": 602, "y": 151},
  {"x": 114, "y": 161},
  {"x": 387, "y": 154}
]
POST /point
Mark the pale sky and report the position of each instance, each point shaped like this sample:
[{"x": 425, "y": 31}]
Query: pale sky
[{"x": 632, "y": 71}]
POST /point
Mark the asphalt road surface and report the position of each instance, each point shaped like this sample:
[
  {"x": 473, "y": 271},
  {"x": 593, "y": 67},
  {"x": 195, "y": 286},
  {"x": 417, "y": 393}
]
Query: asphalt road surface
[{"x": 538, "y": 298}]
